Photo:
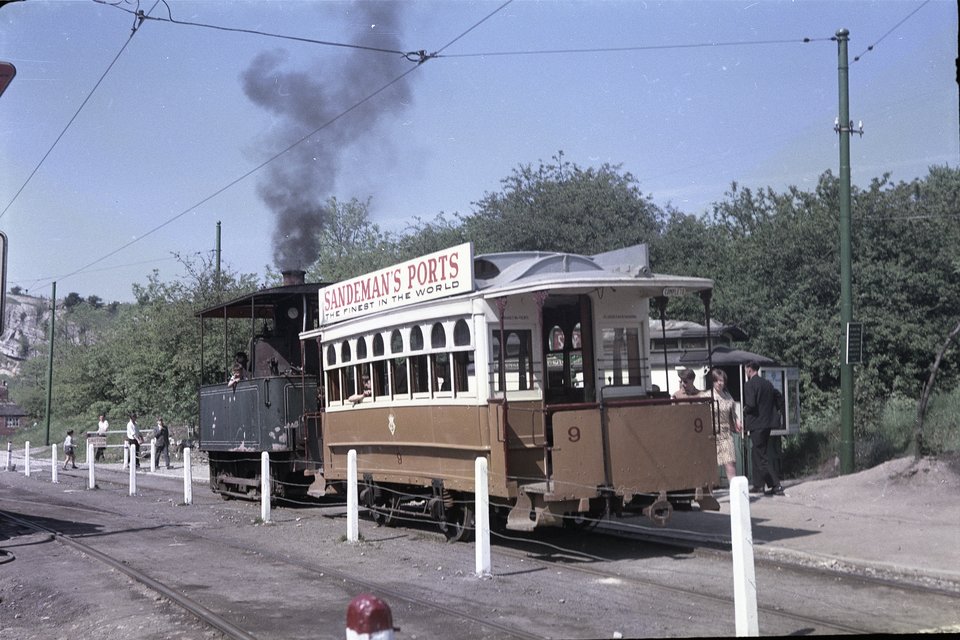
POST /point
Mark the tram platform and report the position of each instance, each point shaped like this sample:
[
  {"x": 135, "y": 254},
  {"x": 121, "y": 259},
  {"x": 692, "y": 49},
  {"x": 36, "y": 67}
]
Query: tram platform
[{"x": 899, "y": 520}]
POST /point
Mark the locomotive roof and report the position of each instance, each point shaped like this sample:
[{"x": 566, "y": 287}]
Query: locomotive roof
[{"x": 261, "y": 301}]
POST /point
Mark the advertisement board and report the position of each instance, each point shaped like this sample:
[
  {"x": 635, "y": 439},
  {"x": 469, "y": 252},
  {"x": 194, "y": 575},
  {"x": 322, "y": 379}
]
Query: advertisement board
[{"x": 437, "y": 275}]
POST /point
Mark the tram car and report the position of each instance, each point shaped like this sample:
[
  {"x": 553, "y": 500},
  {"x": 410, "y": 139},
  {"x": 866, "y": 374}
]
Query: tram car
[{"x": 538, "y": 362}]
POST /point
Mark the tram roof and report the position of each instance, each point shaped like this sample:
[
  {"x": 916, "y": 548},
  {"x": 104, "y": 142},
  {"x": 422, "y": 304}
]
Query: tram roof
[
  {"x": 259, "y": 303},
  {"x": 516, "y": 272}
]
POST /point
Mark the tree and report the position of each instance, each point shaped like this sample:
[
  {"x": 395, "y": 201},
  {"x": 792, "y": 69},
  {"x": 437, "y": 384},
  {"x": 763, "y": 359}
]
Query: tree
[
  {"x": 562, "y": 207},
  {"x": 350, "y": 244}
]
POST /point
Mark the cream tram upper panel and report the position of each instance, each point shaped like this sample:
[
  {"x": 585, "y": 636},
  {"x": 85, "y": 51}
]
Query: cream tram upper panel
[{"x": 623, "y": 272}]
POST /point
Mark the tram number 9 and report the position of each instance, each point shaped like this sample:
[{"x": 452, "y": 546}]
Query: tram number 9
[
  {"x": 573, "y": 434},
  {"x": 698, "y": 425}
]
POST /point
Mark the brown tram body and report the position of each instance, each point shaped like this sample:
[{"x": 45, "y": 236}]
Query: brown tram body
[{"x": 538, "y": 362}]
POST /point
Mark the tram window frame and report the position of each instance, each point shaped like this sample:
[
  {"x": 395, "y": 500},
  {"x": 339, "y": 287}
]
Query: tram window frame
[
  {"x": 333, "y": 387},
  {"x": 525, "y": 361},
  {"x": 626, "y": 369}
]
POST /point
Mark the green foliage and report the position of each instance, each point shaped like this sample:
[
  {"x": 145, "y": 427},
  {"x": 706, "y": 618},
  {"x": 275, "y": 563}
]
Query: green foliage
[
  {"x": 140, "y": 357},
  {"x": 563, "y": 207},
  {"x": 350, "y": 244}
]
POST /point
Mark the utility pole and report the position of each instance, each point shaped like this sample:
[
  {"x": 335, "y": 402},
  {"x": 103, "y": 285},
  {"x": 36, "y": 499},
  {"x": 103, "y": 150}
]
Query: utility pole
[
  {"x": 219, "y": 283},
  {"x": 53, "y": 316},
  {"x": 844, "y": 127}
]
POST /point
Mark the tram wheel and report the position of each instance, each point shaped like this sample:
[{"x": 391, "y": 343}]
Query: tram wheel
[
  {"x": 384, "y": 510},
  {"x": 457, "y": 524}
]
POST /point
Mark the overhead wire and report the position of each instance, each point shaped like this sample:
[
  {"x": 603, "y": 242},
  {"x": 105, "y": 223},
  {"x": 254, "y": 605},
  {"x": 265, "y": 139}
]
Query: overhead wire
[
  {"x": 652, "y": 47},
  {"x": 892, "y": 29},
  {"x": 269, "y": 160},
  {"x": 74, "y": 117},
  {"x": 258, "y": 32}
]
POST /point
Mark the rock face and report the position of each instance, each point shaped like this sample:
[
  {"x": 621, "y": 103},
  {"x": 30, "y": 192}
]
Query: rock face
[{"x": 26, "y": 322}]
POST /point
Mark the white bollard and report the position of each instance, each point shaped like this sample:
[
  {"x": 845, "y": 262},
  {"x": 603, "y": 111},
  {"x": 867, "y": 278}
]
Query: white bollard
[
  {"x": 187, "y": 477},
  {"x": 54, "y": 478},
  {"x": 26, "y": 458},
  {"x": 133, "y": 472},
  {"x": 482, "y": 517},
  {"x": 153, "y": 455},
  {"x": 744, "y": 576},
  {"x": 353, "y": 533},
  {"x": 265, "y": 486},
  {"x": 91, "y": 479},
  {"x": 126, "y": 455},
  {"x": 9, "y": 465}
]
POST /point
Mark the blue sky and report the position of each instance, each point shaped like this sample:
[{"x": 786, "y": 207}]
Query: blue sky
[{"x": 701, "y": 94}]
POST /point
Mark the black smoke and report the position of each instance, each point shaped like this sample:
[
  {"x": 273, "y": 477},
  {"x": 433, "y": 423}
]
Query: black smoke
[{"x": 297, "y": 185}]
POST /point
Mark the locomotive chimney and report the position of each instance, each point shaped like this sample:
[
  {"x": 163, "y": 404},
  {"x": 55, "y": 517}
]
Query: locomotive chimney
[{"x": 293, "y": 276}]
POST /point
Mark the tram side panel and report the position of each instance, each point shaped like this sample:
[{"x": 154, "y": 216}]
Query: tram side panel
[
  {"x": 406, "y": 445},
  {"x": 664, "y": 447}
]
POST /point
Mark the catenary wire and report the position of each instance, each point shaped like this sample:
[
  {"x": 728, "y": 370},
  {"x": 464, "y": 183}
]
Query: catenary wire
[
  {"x": 653, "y": 47},
  {"x": 892, "y": 29},
  {"x": 257, "y": 168},
  {"x": 170, "y": 19},
  {"x": 74, "y": 117}
]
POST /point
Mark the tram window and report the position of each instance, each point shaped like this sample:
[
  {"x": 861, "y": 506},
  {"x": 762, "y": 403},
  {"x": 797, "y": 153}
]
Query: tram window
[
  {"x": 416, "y": 339},
  {"x": 620, "y": 356},
  {"x": 380, "y": 380},
  {"x": 361, "y": 348},
  {"x": 440, "y": 369},
  {"x": 333, "y": 386},
  {"x": 438, "y": 336},
  {"x": 345, "y": 352},
  {"x": 518, "y": 369},
  {"x": 331, "y": 355},
  {"x": 464, "y": 373},
  {"x": 396, "y": 341},
  {"x": 398, "y": 374},
  {"x": 576, "y": 359},
  {"x": 377, "y": 346},
  {"x": 461, "y": 334},
  {"x": 349, "y": 381},
  {"x": 419, "y": 374}
]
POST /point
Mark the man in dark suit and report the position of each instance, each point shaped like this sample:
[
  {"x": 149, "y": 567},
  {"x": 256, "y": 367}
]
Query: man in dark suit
[{"x": 761, "y": 414}]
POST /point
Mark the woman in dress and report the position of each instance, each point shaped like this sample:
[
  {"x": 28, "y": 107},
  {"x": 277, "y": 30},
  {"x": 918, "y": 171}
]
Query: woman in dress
[{"x": 729, "y": 421}]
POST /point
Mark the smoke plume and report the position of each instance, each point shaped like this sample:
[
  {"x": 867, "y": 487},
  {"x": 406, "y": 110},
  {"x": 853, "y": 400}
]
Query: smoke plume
[{"x": 298, "y": 183}]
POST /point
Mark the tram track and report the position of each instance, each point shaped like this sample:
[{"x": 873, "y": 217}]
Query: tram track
[
  {"x": 531, "y": 551},
  {"x": 232, "y": 630}
]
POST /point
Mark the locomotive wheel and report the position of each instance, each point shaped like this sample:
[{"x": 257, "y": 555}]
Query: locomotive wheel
[{"x": 457, "y": 524}]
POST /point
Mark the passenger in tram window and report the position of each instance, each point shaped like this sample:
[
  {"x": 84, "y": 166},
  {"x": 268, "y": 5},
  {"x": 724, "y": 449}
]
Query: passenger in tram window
[
  {"x": 687, "y": 387},
  {"x": 365, "y": 393}
]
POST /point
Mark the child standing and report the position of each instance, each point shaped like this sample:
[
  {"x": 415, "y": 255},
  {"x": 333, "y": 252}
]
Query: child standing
[{"x": 68, "y": 450}]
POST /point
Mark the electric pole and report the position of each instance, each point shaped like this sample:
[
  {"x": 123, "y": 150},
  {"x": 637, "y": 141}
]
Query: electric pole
[{"x": 844, "y": 127}]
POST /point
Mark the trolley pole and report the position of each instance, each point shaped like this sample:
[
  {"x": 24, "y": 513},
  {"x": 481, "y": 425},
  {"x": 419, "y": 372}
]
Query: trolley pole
[{"x": 846, "y": 299}]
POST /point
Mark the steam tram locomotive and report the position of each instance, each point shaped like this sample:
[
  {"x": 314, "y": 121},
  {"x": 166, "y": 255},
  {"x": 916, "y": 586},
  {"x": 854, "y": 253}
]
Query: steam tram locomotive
[{"x": 538, "y": 362}]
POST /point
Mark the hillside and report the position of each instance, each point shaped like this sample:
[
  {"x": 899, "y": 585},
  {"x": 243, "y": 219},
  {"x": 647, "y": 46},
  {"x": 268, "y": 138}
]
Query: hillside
[{"x": 26, "y": 322}]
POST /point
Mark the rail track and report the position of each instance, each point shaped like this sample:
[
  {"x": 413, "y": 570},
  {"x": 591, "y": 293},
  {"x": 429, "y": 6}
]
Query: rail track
[{"x": 567, "y": 551}]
